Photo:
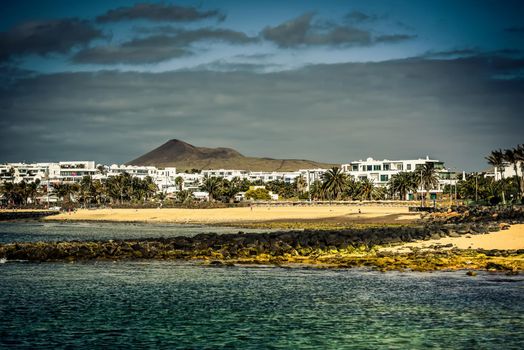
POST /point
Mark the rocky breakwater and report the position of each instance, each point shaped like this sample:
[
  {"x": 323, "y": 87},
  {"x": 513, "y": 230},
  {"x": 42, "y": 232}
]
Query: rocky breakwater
[
  {"x": 478, "y": 215},
  {"x": 335, "y": 248}
]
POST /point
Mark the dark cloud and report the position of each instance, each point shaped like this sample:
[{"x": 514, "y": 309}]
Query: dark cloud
[
  {"x": 159, "y": 13},
  {"x": 138, "y": 51},
  {"x": 302, "y": 31},
  {"x": 358, "y": 16},
  {"x": 474, "y": 51},
  {"x": 158, "y": 48},
  {"x": 186, "y": 37},
  {"x": 514, "y": 30},
  {"x": 394, "y": 38},
  {"x": 449, "y": 109},
  {"x": 453, "y": 53},
  {"x": 10, "y": 74},
  {"x": 45, "y": 37}
]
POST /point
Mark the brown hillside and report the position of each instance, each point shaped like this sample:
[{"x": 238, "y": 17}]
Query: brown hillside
[{"x": 184, "y": 156}]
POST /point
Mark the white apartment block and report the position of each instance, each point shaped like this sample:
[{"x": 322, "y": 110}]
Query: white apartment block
[
  {"x": 72, "y": 171},
  {"x": 312, "y": 175},
  {"x": 164, "y": 178},
  {"x": 508, "y": 171},
  {"x": 228, "y": 174},
  {"x": 18, "y": 172},
  {"x": 190, "y": 182},
  {"x": 266, "y": 176},
  {"x": 381, "y": 171}
]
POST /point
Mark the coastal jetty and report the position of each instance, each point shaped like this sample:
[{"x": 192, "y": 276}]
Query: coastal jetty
[
  {"x": 351, "y": 247},
  {"x": 7, "y": 215},
  {"x": 358, "y": 247}
]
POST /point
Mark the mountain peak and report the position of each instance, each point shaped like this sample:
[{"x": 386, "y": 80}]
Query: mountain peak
[{"x": 180, "y": 154}]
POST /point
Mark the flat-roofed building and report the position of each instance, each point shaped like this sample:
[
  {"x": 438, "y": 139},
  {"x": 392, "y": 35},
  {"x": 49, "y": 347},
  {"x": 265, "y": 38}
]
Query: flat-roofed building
[{"x": 381, "y": 171}]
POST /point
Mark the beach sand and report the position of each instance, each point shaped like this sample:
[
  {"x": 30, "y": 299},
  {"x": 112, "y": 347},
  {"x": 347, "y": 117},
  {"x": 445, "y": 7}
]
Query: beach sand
[
  {"x": 337, "y": 215},
  {"x": 239, "y": 215},
  {"x": 513, "y": 238}
]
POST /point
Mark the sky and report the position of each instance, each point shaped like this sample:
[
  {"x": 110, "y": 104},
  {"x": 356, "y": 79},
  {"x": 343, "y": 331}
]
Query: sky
[{"x": 331, "y": 81}]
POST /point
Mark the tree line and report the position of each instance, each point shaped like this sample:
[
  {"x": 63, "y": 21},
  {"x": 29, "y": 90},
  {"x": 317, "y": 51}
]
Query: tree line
[
  {"x": 333, "y": 185},
  {"x": 113, "y": 190}
]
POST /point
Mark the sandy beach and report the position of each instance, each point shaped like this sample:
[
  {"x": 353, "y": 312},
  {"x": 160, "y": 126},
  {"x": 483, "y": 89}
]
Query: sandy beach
[
  {"x": 505, "y": 239},
  {"x": 513, "y": 238},
  {"x": 241, "y": 215}
]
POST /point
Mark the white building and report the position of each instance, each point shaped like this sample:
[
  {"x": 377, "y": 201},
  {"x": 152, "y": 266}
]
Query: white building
[
  {"x": 268, "y": 176},
  {"x": 228, "y": 174},
  {"x": 190, "y": 182},
  {"x": 18, "y": 172},
  {"x": 508, "y": 171},
  {"x": 312, "y": 175},
  {"x": 71, "y": 171},
  {"x": 381, "y": 171}
]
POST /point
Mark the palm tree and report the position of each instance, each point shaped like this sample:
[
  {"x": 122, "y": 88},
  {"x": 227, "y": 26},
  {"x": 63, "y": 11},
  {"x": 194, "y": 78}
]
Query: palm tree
[
  {"x": 179, "y": 183},
  {"x": 119, "y": 187},
  {"x": 86, "y": 189},
  {"x": 428, "y": 179},
  {"x": 519, "y": 156},
  {"x": 66, "y": 191},
  {"x": 510, "y": 156},
  {"x": 228, "y": 189},
  {"x": 334, "y": 183},
  {"x": 366, "y": 189},
  {"x": 212, "y": 186},
  {"x": 496, "y": 159},
  {"x": 315, "y": 190},
  {"x": 300, "y": 184},
  {"x": 31, "y": 190},
  {"x": 403, "y": 183}
]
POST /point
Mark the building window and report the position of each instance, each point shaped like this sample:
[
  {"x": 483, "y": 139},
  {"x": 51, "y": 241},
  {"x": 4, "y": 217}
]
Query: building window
[
  {"x": 408, "y": 166},
  {"x": 384, "y": 178},
  {"x": 386, "y": 166},
  {"x": 369, "y": 168},
  {"x": 354, "y": 167},
  {"x": 377, "y": 167},
  {"x": 362, "y": 178}
]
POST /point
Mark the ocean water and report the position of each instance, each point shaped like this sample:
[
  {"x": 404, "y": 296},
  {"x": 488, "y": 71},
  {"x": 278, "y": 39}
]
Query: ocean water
[
  {"x": 157, "y": 304},
  {"x": 34, "y": 231},
  {"x": 177, "y": 305}
]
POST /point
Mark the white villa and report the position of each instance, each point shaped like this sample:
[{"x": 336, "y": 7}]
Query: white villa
[
  {"x": 381, "y": 171},
  {"x": 508, "y": 171},
  {"x": 54, "y": 172}
]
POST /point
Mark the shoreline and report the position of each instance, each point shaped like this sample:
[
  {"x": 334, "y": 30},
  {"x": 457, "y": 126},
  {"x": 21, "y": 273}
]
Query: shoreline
[
  {"x": 322, "y": 249},
  {"x": 254, "y": 217}
]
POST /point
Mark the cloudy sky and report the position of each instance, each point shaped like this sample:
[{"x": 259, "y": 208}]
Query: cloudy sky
[{"x": 331, "y": 81}]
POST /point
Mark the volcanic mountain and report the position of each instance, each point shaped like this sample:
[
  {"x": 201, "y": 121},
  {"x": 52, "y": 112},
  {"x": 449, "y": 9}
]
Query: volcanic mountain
[{"x": 183, "y": 156}]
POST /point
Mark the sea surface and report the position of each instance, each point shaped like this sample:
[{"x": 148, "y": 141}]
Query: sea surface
[
  {"x": 177, "y": 305},
  {"x": 34, "y": 231}
]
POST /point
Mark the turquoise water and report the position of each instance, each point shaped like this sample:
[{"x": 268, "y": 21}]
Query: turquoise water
[
  {"x": 160, "y": 304},
  {"x": 34, "y": 231},
  {"x": 157, "y": 304}
]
